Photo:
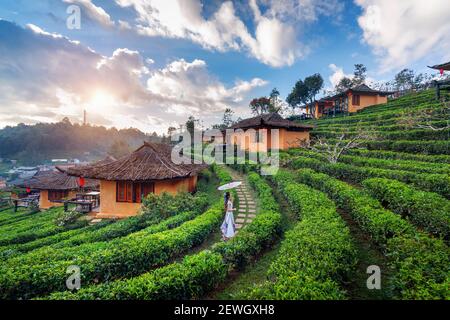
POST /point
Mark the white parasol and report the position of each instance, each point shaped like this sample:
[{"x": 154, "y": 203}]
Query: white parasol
[{"x": 230, "y": 185}]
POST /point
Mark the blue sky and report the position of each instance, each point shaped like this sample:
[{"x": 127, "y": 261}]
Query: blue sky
[{"x": 151, "y": 63}]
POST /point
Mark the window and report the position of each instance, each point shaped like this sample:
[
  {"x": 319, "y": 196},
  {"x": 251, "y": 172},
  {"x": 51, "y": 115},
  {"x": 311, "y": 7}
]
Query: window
[
  {"x": 355, "y": 99},
  {"x": 259, "y": 136},
  {"x": 133, "y": 192},
  {"x": 57, "y": 194}
]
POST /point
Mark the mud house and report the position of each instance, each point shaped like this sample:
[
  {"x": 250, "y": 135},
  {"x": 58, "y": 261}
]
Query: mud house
[
  {"x": 349, "y": 101},
  {"x": 126, "y": 181},
  {"x": 257, "y": 133},
  {"x": 55, "y": 186}
]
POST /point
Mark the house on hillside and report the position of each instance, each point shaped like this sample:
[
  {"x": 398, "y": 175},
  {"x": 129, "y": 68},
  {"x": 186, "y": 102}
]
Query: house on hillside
[
  {"x": 126, "y": 181},
  {"x": 55, "y": 186},
  {"x": 349, "y": 101},
  {"x": 257, "y": 133}
]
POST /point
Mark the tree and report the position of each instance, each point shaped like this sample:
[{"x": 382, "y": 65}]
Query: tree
[
  {"x": 404, "y": 80},
  {"x": 313, "y": 84},
  {"x": 119, "y": 148},
  {"x": 333, "y": 150},
  {"x": 305, "y": 92},
  {"x": 298, "y": 95},
  {"x": 359, "y": 75},
  {"x": 171, "y": 130},
  {"x": 425, "y": 118},
  {"x": 274, "y": 100},
  {"x": 190, "y": 125},
  {"x": 260, "y": 105},
  {"x": 343, "y": 85},
  {"x": 227, "y": 119}
]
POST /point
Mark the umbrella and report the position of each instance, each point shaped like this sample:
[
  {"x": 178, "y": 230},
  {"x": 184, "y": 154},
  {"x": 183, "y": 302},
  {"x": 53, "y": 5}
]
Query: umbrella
[{"x": 230, "y": 185}]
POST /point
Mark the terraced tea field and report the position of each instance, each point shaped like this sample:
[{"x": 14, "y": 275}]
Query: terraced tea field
[{"x": 308, "y": 232}]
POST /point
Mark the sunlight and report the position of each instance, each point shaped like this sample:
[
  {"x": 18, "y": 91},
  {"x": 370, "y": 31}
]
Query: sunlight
[{"x": 101, "y": 101}]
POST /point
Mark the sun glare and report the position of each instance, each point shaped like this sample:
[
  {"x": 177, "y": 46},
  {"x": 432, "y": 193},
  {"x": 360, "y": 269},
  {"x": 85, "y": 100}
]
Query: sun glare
[{"x": 101, "y": 102}]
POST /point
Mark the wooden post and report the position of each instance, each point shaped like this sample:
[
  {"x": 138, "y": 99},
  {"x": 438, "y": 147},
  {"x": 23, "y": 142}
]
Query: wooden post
[
  {"x": 15, "y": 205},
  {"x": 66, "y": 206}
]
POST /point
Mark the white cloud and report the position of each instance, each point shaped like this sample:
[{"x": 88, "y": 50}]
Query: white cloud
[
  {"x": 94, "y": 12},
  {"x": 275, "y": 40},
  {"x": 196, "y": 90},
  {"x": 45, "y": 77},
  {"x": 337, "y": 74},
  {"x": 404, "y": 31}
]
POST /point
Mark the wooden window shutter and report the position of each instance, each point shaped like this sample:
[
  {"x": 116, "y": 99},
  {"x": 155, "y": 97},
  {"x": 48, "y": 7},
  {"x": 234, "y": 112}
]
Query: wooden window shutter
[
  {"x": 137, "y": 192},
  {"x": 129, "y": 194}
]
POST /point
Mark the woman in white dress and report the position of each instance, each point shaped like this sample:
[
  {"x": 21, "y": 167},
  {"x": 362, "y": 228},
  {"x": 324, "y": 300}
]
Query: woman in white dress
[{"x": 228, "y": 227}]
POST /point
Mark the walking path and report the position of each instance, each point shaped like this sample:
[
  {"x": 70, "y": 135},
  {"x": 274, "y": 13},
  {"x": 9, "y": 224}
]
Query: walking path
[{"x": 246, "y": 208}]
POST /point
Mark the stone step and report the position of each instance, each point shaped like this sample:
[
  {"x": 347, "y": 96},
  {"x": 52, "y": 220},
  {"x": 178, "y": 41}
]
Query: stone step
[
  {"x": 251, "y": 215},
  {"x": 241, "y": 215},
  {"x": 240, "y": 220},
  {"x": 238, "y": 226},
  {"x": 251, "y": 210}
]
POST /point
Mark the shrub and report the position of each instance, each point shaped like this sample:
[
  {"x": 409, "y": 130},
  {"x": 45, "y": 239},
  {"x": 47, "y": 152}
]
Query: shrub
[
  {"x": 426, "y": 209},
  {"x": 316, "y": 255},
  {"x": 439, "y": 183},
  {"x": 197, "y": 274},
  {"x": 419, "y": 263},
  {"x": 123, "y": 257},
  {"x": 189, "y": 279}
]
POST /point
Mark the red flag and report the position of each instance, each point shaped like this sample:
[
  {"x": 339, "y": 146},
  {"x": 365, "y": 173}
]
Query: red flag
[
  {"x": 81, "y": 182},
  {"x": 441, "y": 71},
  {"x": 28, "y": 190}
]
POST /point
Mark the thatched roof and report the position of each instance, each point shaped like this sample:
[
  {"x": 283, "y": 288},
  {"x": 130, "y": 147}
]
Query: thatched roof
[
  {"x": 269, "y": 120},
  {"x": 444, "y": 66},
  {"x": 56, "y": 180},
  {"x": 152, "y": 161}
]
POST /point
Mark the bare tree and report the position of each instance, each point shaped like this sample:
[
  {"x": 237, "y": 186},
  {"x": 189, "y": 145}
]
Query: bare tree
[
  {"x": 333, "y": 150},
  {"x": 423, "y": 119}
]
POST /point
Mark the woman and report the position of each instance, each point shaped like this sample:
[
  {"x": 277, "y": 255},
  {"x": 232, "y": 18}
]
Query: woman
[
  {"x": 226, "y": 198},
  {"x": 228, "y": 227}
]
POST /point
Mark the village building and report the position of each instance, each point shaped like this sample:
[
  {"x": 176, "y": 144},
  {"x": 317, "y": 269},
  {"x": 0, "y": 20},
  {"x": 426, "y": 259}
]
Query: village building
[
  {"x": 55, "y": 186},
  {"x": 349, "y": 101},
  {"x": 126, "y": 181},
  {"x": 256, "y": 134}
]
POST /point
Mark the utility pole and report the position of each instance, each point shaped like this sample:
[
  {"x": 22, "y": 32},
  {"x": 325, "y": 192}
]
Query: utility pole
[{"x": 84, "y": 117}]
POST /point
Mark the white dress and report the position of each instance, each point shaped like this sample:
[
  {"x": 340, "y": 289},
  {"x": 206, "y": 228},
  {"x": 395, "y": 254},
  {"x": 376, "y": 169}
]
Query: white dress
[{"x": 228, "y": 227}]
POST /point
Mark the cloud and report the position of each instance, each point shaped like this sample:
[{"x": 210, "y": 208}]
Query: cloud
[
  {"x": 337, "y": 74},
  {"x": 195, "y": 89},
  {"x": 275, "y": 39},
  {"x": 94, "y": 12},
  {"x": 402, "y": 32},
  {"x": 45, "y": 77}
]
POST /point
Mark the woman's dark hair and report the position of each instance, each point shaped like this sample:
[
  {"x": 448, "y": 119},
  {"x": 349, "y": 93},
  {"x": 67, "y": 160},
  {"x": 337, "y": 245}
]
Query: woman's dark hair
[{"x": 227, "y": 195}]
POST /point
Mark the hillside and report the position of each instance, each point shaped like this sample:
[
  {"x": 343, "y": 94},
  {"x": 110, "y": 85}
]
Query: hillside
[
  {"x": 33, "y": 144},
  {"x": 315, "y": 230}
]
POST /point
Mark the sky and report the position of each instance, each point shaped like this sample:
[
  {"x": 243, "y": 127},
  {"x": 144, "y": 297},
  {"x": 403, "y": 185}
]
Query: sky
[{"x": 151, "y": 64}]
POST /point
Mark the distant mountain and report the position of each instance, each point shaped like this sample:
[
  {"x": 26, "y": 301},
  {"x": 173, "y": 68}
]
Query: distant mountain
[{"x": 34, "y": 144}]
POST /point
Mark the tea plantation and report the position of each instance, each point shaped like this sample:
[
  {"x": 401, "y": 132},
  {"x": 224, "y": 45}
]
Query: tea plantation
[{"x": 318, "y": 226}]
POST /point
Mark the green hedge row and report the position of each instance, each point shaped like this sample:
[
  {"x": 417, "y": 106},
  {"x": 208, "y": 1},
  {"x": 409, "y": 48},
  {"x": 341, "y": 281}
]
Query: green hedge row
[
  {"x": 406, "y": 165},
  {"x": 189, "y": 279},
  {"x": 439, "y": 183},
  {"x": 102, "y": 261},
  {"x": 419, "y": 263},
  {"x": 316, "y": 256},
  {"x": 392, "y": 155},
  {"x": 424, "y": 147},
  {"x": 425, "y": 209},
  {"x": 405, "y": 134},
  {"x": 33, "y": 229},
  {"x": 338, "y": 128},
  {"x": 195, "y": 275}
]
